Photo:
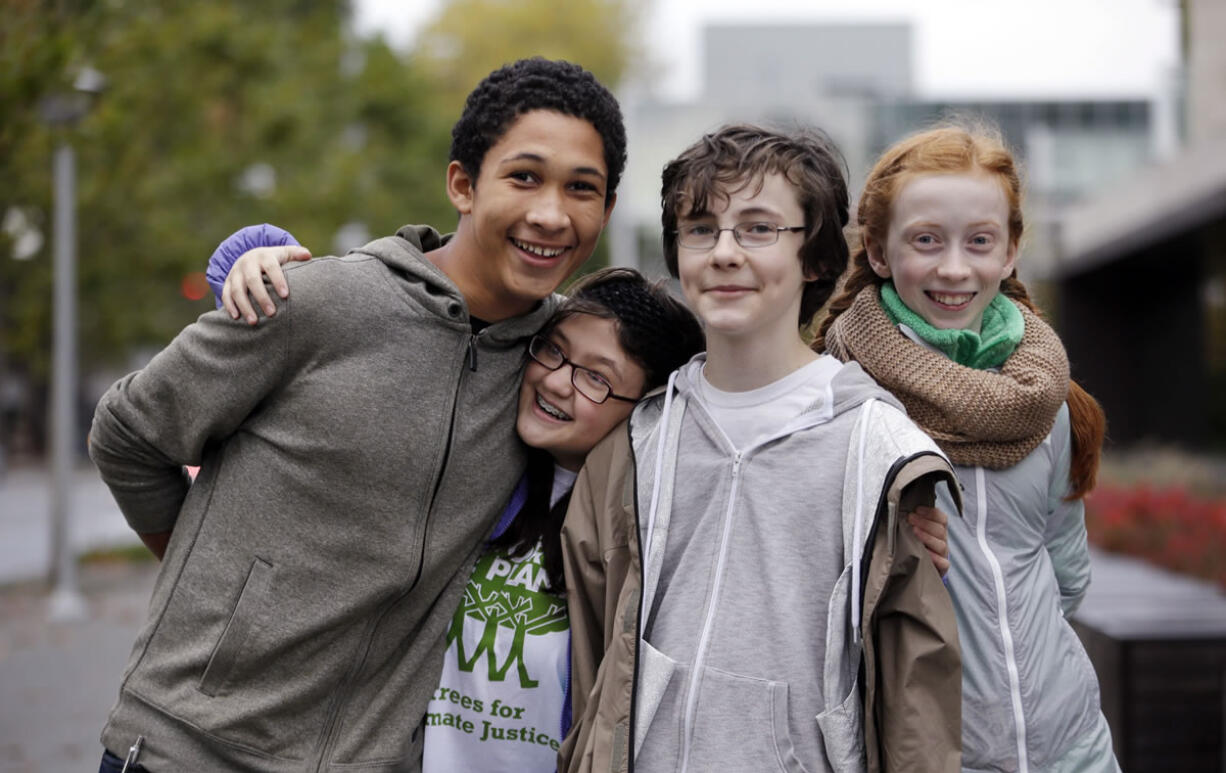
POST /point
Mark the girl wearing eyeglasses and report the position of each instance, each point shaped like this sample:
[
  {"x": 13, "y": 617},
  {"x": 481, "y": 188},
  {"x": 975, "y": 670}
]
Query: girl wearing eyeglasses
[{"x": 503, "y": 696}]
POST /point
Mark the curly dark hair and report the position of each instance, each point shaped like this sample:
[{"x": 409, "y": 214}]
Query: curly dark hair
[
  {"x": 538, "y": 84},
  {"x": 740, "y": 155}
]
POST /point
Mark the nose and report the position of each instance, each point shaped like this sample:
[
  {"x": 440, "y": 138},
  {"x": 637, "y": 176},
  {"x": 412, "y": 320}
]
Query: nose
[
  {"x": 547, "y": 211},
  {"x": 954, "y": 265},
  {"x": 727, "y": 252},
  {"x": 559, "y": 381}
]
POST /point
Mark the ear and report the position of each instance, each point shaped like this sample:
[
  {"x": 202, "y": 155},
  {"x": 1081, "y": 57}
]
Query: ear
[
  {"x": 876, "y": 257},
  {"x": 460, "y": 188},
  {"x": 1010, "y": 262},
  {"x": 608, "y": 211}
]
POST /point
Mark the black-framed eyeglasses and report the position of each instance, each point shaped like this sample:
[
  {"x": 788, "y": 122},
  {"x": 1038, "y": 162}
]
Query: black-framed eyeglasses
[
  {"x": 588, "y": 383},
  {"x": 704, "y": 236}
]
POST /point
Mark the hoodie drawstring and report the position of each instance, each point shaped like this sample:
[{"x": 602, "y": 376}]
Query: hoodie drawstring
[
  {"x": 655, "y": 489},
  {"x": 857, "y": 532}
]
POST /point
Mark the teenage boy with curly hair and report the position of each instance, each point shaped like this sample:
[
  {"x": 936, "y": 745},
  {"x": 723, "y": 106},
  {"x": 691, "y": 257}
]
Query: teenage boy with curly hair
[{"x": 355, "y": 448}]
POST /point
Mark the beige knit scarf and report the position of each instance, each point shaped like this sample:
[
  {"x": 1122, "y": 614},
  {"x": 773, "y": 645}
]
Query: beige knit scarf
[{"x": 979, "y": 418}]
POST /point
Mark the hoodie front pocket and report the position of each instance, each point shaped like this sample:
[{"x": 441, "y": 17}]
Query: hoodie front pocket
[
  {"x": 741, "y": 723},
  {"x": 842, "y": 730},
  {"x": 244, "y": 625},
  {"x": 842, "y": 722},
  {"x": 655, "y": 673}
]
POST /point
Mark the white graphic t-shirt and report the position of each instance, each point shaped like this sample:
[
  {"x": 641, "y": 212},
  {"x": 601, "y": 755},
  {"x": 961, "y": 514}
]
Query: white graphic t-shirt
[{"x": 498, "y": 706}]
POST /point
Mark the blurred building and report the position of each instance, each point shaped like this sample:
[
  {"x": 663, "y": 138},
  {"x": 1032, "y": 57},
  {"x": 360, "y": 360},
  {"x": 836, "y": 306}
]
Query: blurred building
[
  {"x": 1069, "y": 149},
  {"x": 833, "y": 76},
  {"x": 855, "y": 81},
  {"x": 1142, "y": 271}
]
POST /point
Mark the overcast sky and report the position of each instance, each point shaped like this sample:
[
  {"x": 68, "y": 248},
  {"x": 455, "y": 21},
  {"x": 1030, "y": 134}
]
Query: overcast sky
[{"x": 963, "y": 48}]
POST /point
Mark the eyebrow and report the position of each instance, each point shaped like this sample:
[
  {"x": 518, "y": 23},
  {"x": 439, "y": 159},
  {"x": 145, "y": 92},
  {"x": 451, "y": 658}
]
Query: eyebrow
[
  {"x": 758, "y": 211},
  {"x": 936, "y": 225},
  {"x": 537, "y": 158},
  {"x": 741, "y": 214},
  {"x": 600, "y": 359}
]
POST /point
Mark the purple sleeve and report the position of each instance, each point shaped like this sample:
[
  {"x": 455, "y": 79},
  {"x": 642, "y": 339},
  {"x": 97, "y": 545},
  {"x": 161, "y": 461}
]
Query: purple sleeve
[{"x": 236, "y": 244}]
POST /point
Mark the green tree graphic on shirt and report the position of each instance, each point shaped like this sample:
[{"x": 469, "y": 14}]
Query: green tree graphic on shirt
[{"x": 506, "y": 592}]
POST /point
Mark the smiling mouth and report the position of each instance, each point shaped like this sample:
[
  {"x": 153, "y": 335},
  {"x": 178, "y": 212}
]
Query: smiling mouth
[
  {"x": 950, "y": 300},
  {"x": 551, "y": 410},
  {"x": 538, "y": 250}
]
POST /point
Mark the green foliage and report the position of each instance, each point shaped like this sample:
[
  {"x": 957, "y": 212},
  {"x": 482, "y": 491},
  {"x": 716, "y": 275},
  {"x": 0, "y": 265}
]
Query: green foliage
[
  {"x": 201, "y": 94},
  {"x": 469, "y": 38},
  {"x": 127, "y": 554}
]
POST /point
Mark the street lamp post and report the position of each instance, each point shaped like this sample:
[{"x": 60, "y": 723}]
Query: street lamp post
[{"x": 65, "y": 110}]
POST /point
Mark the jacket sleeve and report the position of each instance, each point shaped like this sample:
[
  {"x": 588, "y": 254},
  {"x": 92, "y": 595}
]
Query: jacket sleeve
[
  {"x": 918, "y": 710},
  {"x": 196, "y": 391},
  {"x": 235, "y": 245},
  {"x": 598, "y": 564},
  {"x": 1065, "y": 533},
  {"x": 585, "y": 589}
]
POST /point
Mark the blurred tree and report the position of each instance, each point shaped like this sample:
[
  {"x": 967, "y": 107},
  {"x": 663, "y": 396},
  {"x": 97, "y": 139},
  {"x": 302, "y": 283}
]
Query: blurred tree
[
  {"x": 227, "y": 113},
  {"x": 217, "y": 115},
  {"x": 469, "y": 38}
]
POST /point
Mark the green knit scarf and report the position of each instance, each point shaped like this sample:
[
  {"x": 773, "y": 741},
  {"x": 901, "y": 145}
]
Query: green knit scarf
[{"x": 999, "y": 333}]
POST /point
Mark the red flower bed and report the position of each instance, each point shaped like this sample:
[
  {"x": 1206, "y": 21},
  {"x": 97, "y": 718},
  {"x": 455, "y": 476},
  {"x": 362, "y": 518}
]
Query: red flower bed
[{"x": 1164, "y": 526}]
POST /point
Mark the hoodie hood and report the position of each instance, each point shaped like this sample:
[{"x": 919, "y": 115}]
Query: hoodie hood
[{"x": 405, "y": 253}]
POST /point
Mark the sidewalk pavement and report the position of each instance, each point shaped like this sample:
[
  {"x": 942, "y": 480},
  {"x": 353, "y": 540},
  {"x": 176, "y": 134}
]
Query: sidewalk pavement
[
  {"x": 25, "y": 520},
  {"x": 58, "y": 680}
]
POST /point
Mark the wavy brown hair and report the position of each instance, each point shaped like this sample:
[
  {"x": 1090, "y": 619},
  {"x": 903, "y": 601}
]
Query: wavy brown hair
[
  {"x": 953, "y": 150},
  {"x": 739, "y": 156}
]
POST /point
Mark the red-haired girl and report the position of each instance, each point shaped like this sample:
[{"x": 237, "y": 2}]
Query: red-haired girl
[{"x": 933, "y": 310}]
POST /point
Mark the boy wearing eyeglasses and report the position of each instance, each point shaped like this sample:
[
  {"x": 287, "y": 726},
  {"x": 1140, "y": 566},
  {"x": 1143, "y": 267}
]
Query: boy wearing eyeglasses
[{"x": 744, "y": 591}]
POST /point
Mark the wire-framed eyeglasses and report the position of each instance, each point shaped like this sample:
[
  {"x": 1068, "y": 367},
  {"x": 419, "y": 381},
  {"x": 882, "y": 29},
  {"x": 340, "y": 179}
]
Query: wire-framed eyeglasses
[
  {"x": 704, "y": 236},
  {"x": 587, "y": 382}
]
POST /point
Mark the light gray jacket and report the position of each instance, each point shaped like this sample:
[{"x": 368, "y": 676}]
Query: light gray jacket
[
  {"x": 355, "y": 449},
  {"x": 1020, "y": 565}
]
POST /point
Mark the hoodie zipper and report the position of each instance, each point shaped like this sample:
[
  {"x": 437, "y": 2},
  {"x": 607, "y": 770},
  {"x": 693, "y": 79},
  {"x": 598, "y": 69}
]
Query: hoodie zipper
[
  {"x": 691, "y": 698},
  {"x": 331, "y": 724},
  {"x": 807, "y": 422},
  {"x": 472, "y": 351},
  {"x": 1002, "y": 613}
]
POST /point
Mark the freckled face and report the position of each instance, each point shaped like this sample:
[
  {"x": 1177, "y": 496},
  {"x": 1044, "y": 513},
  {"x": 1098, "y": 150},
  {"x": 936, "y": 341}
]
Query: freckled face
[
  {"x": 947, "y": 248},
  {"x": 535, "y": 211},
  {"x": 553, "y": 415}
]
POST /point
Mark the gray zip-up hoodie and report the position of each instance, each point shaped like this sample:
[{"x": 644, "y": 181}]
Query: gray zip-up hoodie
[
  {"x": 740, "y": 578},
  {"x": 355, "y": 449}
]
